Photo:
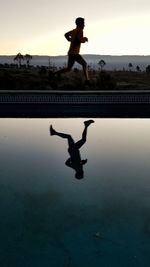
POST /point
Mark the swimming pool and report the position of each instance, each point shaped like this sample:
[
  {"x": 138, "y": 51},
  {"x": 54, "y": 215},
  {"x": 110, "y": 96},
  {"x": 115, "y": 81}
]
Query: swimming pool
[{"x": 50, "y": 218}]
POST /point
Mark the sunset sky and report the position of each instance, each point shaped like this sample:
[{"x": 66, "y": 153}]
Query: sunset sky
[{"x": 114, "y": 27}]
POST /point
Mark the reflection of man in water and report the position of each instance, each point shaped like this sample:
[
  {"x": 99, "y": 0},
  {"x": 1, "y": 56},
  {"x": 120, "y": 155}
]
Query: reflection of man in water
[{"x": 75, "y": 161}]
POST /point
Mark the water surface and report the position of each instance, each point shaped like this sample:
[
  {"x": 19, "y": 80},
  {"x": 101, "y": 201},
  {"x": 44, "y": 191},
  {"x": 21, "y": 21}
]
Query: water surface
[{"x": 50, "y": 218}]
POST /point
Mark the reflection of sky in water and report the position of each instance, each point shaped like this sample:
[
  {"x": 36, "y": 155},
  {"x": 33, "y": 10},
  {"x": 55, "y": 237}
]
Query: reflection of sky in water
[{"x": 49, "y": 218}]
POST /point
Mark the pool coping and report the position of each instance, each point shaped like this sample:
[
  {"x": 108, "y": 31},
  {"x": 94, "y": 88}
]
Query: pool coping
[{"x": 56, "y": 103}]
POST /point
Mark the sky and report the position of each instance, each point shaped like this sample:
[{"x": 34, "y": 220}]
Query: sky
[{"x": 37, "y": 27}]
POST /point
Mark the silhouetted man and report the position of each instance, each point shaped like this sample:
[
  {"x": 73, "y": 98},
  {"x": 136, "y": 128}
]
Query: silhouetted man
[
  {"x": 74, "y": 161},
  {"x": 75, "y": 37}
]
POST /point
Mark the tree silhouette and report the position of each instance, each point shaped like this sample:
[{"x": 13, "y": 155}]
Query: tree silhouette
[
  {"x": 101, "y": 63},
  {"x": 28, "y": 58},
  {"x": 19, "y": 58},
  {"x": 148, "y": 69},
  {"x": 138, "y": 69},
  {"x": 130, "y": 66}
]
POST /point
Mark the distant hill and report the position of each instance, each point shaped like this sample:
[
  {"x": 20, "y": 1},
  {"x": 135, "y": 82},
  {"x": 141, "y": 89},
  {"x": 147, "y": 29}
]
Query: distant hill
[{"x": 112, "y": 62}]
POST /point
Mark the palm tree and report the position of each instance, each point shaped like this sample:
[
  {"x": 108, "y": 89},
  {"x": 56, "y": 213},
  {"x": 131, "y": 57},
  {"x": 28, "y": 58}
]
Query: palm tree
[
  {"x": 101, "y": 63},
  {"x": 28, "y": 59},
  {"x": 19, "y": 57}
]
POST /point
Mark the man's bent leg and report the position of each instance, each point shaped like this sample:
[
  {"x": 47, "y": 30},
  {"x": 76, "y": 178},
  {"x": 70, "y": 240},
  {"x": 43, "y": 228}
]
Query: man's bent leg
[{"x": 82, "y": 141}]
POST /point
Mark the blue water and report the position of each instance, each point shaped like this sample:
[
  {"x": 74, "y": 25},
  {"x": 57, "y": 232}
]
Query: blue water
[{"x": 50, "y": 218}]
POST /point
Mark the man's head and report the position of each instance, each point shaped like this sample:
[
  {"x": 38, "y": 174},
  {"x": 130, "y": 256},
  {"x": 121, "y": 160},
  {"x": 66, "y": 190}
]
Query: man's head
[
  {"x": 80, "y": 22},
  {"x": 79, "y": 175}
]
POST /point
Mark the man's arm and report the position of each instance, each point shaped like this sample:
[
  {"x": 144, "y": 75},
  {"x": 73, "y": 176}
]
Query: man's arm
[
  {"x": 68, "y": 36},
  {"x": 69, "y": 163},
  {"x": 85, "y": 39},
  {"x": 81, "y": 38}
]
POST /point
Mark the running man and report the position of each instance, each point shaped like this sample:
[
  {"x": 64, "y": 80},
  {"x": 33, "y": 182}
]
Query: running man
[{"x": 75, "y": 37}]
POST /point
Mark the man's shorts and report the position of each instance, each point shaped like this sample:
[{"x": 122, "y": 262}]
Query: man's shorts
[{"x": 72, "y": 58}]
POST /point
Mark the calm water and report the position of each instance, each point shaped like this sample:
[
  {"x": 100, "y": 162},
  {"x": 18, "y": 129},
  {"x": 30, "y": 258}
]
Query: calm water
[{"x": 50, "y": 218}]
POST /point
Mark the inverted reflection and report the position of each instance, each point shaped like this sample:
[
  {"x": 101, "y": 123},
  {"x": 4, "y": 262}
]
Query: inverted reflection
[{"x": 74, "y": 161}]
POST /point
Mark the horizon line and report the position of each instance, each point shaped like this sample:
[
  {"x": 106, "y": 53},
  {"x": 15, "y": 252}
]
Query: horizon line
[{"x": 106, "y": 55}]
